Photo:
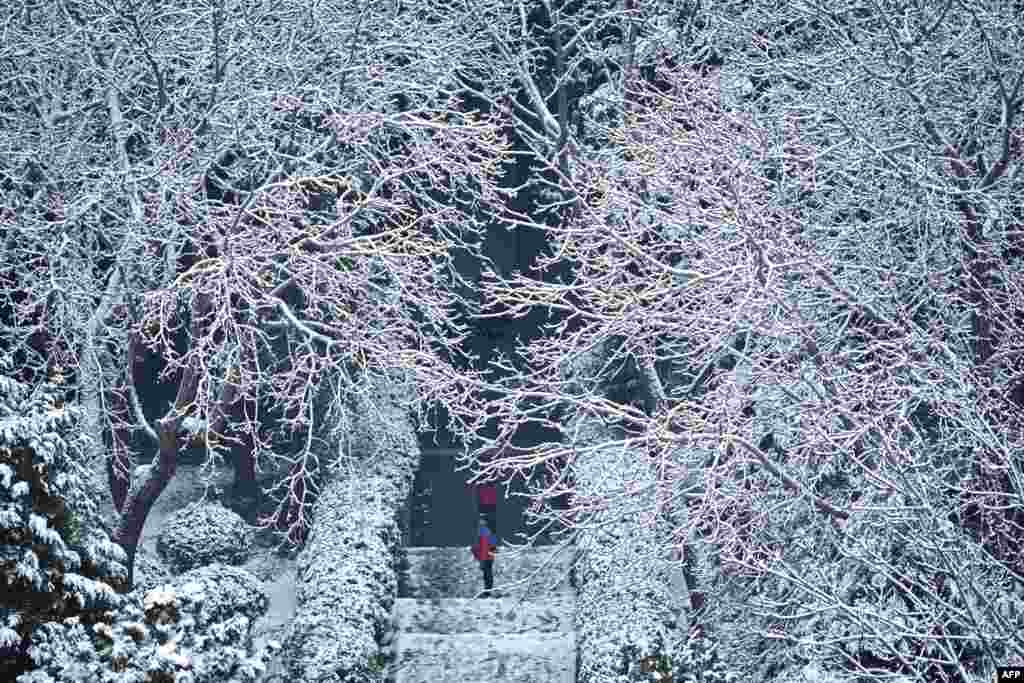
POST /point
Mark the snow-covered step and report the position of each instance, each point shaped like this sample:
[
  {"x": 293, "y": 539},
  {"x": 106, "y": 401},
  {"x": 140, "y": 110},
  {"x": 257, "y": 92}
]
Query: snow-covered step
[
  {"x": 455, "y": 573},
  {"x": 441, "y": 633},
  {"x": 485, "y": 615},
  {"x": 432, "y": 658}
]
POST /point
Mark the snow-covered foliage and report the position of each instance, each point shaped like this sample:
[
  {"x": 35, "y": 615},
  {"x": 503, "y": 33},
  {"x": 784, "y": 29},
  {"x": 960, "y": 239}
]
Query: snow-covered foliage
[
  {"x": 150, "y": 572},
  {"x": 43, "y": 498},
  {"x": 696, "y": 659},
  {"x": 347, "y": 571},
  {"x": 197, "y": 629},
  {"x": 826, "y": 286},
  {"x": 385, "y": 175},
  {"x": 204, "y": 533},
  {"x": 628, "y": 624},
  {"x": 604, "y": 109},
  {"x": 624, "y": 614},
  {"x": 218, "y": 592},
  {"x": 885, "y": 571}
]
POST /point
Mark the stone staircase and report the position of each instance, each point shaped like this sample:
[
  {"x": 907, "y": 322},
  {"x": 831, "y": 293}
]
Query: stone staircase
[{"x": 442, "y": 633}]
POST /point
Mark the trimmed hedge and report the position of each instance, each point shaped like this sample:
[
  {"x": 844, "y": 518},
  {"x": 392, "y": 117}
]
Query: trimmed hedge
[
  {"x": 347, "y": 581},
  {"x": 624, "y": 614}
]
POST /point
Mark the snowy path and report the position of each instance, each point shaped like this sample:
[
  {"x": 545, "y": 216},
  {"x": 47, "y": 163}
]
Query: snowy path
[{"x": 443, "y": 634}]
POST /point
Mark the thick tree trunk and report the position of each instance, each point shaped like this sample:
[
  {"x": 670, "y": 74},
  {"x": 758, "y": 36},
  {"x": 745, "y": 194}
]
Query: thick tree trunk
[{"x": 144, "y": 495}]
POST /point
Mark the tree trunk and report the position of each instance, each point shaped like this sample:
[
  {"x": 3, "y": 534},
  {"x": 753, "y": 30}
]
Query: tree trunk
[
  {"x": 144, "y": 495},
  {"x": 119, "y": 463},
  {"x": 245, "y": 474},
  {"x": 93, "y": 368}
]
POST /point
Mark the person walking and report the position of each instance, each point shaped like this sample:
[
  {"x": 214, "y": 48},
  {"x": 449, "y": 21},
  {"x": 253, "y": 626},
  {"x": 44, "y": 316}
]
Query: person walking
[{"x": 483, "y": 550}]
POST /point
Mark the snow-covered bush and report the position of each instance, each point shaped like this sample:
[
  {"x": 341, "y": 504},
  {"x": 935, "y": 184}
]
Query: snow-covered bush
[
  {"x": 150, "y": 572},
  {"x": 625, "y": 614},
  {"x": 695, "y": 659},
  {"x": 347, "y": 570},
  {"x": 203, "y": 533},
  {"x": 196, "y": 630},
  {"x": 217, "y": 592}
]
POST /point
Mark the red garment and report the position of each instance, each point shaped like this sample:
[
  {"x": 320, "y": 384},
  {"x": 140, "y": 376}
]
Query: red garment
[
  {"x": 485, "y": 544},
  {"x": 486, "y": 494}
]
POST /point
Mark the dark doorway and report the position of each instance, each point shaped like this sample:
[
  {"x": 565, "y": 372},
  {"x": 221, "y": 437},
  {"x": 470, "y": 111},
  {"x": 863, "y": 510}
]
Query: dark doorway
[{"x": 443, "y": 509}]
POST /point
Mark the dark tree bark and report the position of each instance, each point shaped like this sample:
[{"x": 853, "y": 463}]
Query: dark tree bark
[{"x": 141, "y": 499}]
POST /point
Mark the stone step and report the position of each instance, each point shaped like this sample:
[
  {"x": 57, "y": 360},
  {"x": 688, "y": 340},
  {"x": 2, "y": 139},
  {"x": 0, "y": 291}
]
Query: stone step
[
  {"x": 431, "y": 658},
  {"x": 454, "y": 573},
  {"x": 485, "y": 615}
]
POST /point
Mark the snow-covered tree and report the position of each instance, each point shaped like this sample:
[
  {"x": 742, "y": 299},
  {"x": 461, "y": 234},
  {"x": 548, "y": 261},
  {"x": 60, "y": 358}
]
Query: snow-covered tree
[
  {"x": 260, "y": 202},
  {"x": 822, "y": 325},
  {"x": 56, "y": 562}
]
